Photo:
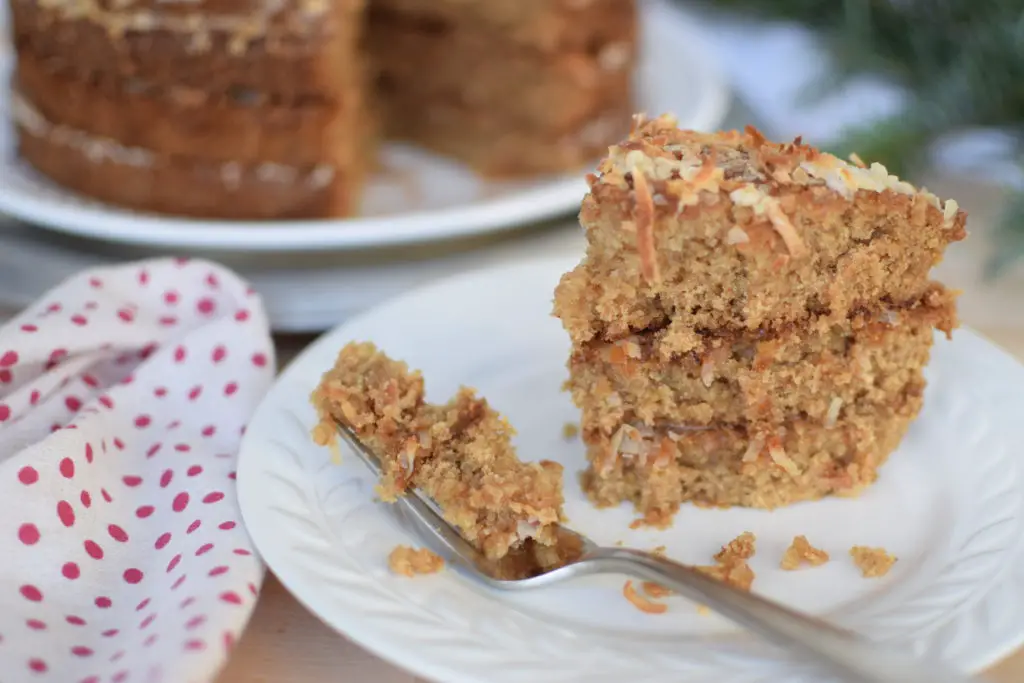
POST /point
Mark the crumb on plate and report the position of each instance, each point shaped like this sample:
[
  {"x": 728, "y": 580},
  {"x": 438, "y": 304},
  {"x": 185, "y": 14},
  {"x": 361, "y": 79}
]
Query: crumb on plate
[
  {"x": 570, "y": 430},
  {"x": 740, "y": 548},
  {"x": 641, "y": 602},
  {"x": 872, "y": 562},
  {"x": 801, "y": 552},
  {"x": 410, "y": 562}
]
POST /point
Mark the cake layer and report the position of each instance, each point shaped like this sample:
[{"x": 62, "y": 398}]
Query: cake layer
[
  {"x": 485, "y": 71},
  {"x": 459, "y": 454},
  {"x": 144, "y": 180},
  {"x": 183, "y": 122},
  {"x": 545, "y": 25},
  {"x": 658, "y": 470},
  {"x": 730, "y": 231},
  {"x": 298, "y": 50},
  {"x": 814, "y": 374}
]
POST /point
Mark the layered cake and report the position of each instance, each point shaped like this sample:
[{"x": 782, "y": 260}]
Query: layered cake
[
  {"x": 750, "y": 321},
  {"x": 251, "y": 110},
  {"x": 459, "y": 454}
]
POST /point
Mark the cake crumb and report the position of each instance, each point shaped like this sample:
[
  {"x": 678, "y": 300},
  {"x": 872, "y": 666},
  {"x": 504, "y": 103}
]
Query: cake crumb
[
  {"x": 740, "y": 548},
  {"x": 570, "y": 430},
  {"x": 656, "y": 590},
  {"x": 872, "y": 562},
  {"x": 654, "y": 519},
  {"x": 409, "y": 562},
  {"x": 659, "y": 551},
  {"x": 703, "y": 610},
  {"x": 642, "y": 603},
  {"x": 801, "y": 552},
  {"x": 737, "y": 573}
]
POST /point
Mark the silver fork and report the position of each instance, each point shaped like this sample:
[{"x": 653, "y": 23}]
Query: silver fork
[{"x": 837, "y": 652}]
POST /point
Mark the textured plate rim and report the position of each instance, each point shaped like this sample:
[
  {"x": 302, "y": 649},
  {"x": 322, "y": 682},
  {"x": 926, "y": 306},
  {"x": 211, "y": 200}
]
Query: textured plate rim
[
  {"x": 111, "y": 224},
  {"x": 976, "y": 659}
]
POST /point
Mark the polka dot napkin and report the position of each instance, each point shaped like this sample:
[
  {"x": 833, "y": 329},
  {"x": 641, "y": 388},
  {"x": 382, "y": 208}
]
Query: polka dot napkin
[{"x": 123, "y": 396}]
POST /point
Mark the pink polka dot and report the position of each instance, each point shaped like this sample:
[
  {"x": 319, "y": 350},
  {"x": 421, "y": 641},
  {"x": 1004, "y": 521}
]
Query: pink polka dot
[
  {"x": 126, "y": 315},
  {"x": 259, "y": 360},
  {"x": 131, "y": 480},
  {"x": 28, "y": 534},
  {"x": 35, "y": 624},
  {"x": 106, "y": 402},
  {"x": 74, "y": 620},
  {"x": 73, "y": 404},
  {"x": 182, "y": 447},
  {"x": 170, "y": 297},
  {"x": 153, "y": 450},
  {"x": 29, "y": 328},
  {"x": 117, "y": 533},
  {"x": 179, "y": 354},
  {"x": 187, "y": 602},
  {"x": 168, "y": 320},
  {"x": 194, "y": 470},
  {"x": 118, "y": 443},
  {"x": 142, "y": 605},
  {"x": 241, "y": 315},
  {"x": 163, "y": 540},
  {"x": 194, "y": 393},
  {"x": 79, "y": 320},
  {"x": 219, "y": 354},
  {"x": 142, "y": 421},
  {"x": 6, "y": 377},
  {"x": 206, "y": 306},
  {"x": 229, "y": 641},
  {"x": 230, "y": 388},
  {"x": 34, "y": 397},
  {"x": 116, "y": 657},
  {"x": 95, "y": 282},
  {"x": 165, "y": 478},
  {"x": 147, "y": 351},
  {"x": 91, "y": 381},
  {"x": 217, "y": 571},
  {"x": 231, "y": 597},
  {"x": 147, "y": 621},
  {"x": 194, "y": 622},
  {"x": 8, "y": 359},
  {"x": 88, "y": 453},
  {"x": 253, "y": 589},
  {"x": 103, "y": 602},
  {"x": 180, "y": 502},
  {"x": 5, "y": 413},
  {"x": 226, "y": 526},
  {"x": 173, "y": 563},
  {"x": 195, "y": 645},
  {"x": 177, "y": 584},
  {"x": 144, "y": 511},
  {"x": 160, "y": 392},
  {"x": 81, "y": 651},
  {"x": 193, "y": 526},
  {"x": 27, "y": 475},
  {"x": 241, "y": 551},
  {"x": 106, "y": 496},
  {"x": 30, "y": 592},
  {"x": 174, "y": 424},
  {"x": 143, "y": 277},
  {"x": 67, "y": 468},
  {"x": 150, "y": 639},
  {"x": 37, "y": 665},
  {"x": 91, "y": 305},
  {"x": 209, "y": 431},
  {"x": 214, "y": 497},
  {"x": 86, "y": 499},
  {"x": 70, "y": 570},
  {"x": 90, "y": 679},
  {"x": 132, "y": 575},
  {"x": 65, "y": 513},
  {"x": 212, "y": 281},
  {"x": 93, "y": 550},
  {"x": 110, "y": 632}
]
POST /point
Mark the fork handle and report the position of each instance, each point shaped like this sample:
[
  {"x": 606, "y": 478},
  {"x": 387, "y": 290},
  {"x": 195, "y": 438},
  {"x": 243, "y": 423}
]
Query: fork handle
[{"x": 839, "y": 652}]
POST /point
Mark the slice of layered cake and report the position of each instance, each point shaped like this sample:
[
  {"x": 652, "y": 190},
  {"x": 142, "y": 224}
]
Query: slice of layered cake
[
  {"x": 459, "y": 454},
  {"x": 251, "y": 110},
  {"x": 751, "y": 319}
]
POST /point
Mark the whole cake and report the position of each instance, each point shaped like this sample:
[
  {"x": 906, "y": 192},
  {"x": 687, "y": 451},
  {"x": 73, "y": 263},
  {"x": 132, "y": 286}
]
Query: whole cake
[
  {"x": 250, "y": 109},
  {"x": 750, "y": 321}
]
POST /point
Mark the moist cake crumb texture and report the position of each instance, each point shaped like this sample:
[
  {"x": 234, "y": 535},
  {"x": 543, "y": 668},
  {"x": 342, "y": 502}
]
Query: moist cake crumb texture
[
  {"x": 458, "y": 453},
  {"x": 800, "y": 552},
  {"x": 410, "y": 562},
  {"x": 872, "y": 562},
  {"x": 750, "y": 321}
]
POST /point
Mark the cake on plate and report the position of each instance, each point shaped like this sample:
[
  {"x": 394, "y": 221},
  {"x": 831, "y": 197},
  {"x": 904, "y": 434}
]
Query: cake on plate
[
  {"x": 750, "y": 321},
  {"x": 244, "y": 109}
]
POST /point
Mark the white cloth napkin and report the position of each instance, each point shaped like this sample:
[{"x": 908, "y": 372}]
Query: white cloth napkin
[{"x": 123, "y": 397}]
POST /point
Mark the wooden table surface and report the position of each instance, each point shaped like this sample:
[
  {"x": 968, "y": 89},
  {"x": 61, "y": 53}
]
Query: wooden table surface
[{"x": 284, "y": 642}]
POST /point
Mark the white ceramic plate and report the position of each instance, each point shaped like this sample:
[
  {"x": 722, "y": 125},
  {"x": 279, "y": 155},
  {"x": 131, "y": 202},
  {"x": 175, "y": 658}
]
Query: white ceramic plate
[
  {"x": 948, "y": 504},
  {"x": 675, "y": 75}
]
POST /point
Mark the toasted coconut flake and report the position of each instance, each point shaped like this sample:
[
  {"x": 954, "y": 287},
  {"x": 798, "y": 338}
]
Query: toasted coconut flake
[
  {"x": 794, "y": 244},
  {"x": 754, "y": 449},
  {"x": 742, "y": 547},
  {"x": 642, "y": 603},
  {"x": 736, "y": 235},
  {"x": 707, "y": 371},
  {"x": 645, "y": 228},
  {"x": 889, "y": 317},
  {"x": 832, "y": 416},
  {"x": 857, "y": 161},
  {"x": 801, "y": 552},
  {"x": 779, "y": 457},
  {"x": 949, "y": 212}
]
